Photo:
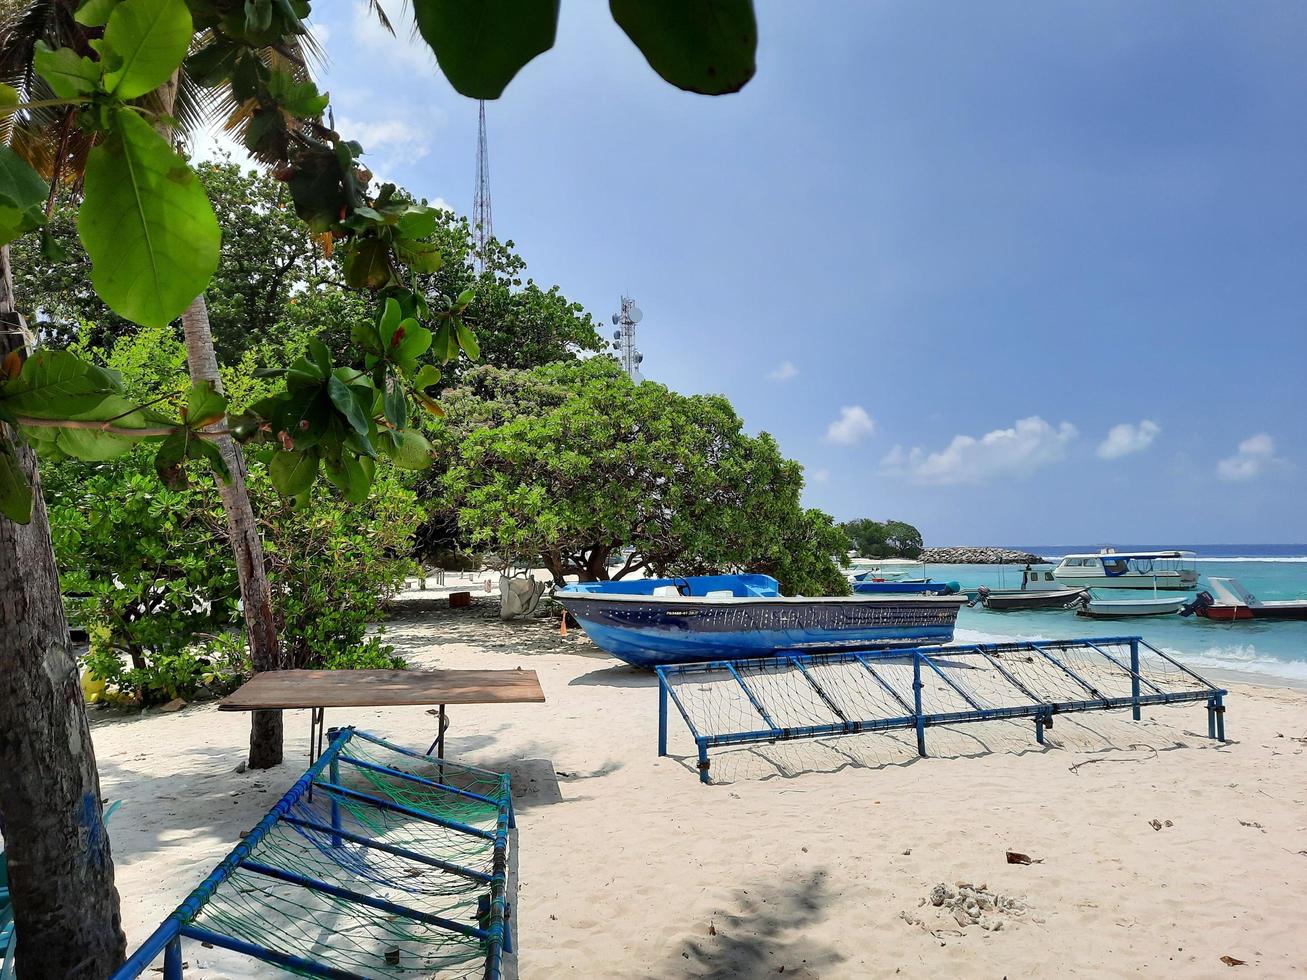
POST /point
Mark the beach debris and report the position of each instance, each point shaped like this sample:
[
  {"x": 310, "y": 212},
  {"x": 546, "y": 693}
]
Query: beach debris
[
  {"x": 1233, "y": 961},
  {"x": 712, "y": 929},
  {"x": 1155, "y": 824},
  {"x": 907, "y": 851},
  {"x": 1016, "y": 857},
  {"x": 176, "y": 704},
  {"x": 965, "y": 905},
  {"x": 1252, "y": 823},
  {"x": 241, "y": 766},
  {"x": 392, "y": 956}
]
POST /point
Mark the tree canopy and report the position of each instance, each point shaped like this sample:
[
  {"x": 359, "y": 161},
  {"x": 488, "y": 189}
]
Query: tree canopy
[
  {"x": 888, "y": 539},
  {"x": 575, "y": 466}
]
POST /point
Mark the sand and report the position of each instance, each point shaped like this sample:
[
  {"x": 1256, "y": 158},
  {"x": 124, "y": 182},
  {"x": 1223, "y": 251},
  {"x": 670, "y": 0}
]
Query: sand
[{"x": 806, "y": 859}]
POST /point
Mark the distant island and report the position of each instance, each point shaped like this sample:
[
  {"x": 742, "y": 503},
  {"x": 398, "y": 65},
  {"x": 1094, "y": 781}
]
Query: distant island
[{"x": 978, "y": 556}]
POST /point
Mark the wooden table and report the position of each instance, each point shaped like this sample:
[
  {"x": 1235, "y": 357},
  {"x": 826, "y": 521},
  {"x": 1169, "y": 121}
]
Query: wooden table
[{"x": 318, "y": 690}]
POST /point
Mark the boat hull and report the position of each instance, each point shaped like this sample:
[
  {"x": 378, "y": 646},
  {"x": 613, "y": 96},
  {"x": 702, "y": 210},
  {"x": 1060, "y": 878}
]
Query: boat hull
[
  {"x": 646, "y": 631},
  {"x": 907, "y": 587},
  {"x": 1296, "y": 610},
  {"x": 1129, "y": 608},
  {"x": 1011, "y": 601}
]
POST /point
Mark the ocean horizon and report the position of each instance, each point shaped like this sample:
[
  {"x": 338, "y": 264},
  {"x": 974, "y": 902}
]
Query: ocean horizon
[{"x": 1251, "y": 552}]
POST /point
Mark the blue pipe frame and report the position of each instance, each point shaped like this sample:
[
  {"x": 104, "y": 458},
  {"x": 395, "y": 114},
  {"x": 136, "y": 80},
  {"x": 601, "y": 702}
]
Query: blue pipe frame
[
  {"x": 1041, "y": 710},
  {"x": 494, "y": 934}
]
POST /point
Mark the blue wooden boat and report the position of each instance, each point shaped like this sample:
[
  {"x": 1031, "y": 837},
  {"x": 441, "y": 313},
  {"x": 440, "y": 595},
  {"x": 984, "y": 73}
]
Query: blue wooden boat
[
  {"x": 647, "y": 622},
  {"x": 911, "y": 586}
]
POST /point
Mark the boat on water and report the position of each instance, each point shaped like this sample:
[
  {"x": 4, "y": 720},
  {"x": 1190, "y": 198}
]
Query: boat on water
[
  {"x": 1109, "y": 569},
  {"x": 1039, "y": 590},
  {"x": 908, "y": 586},
  {"x": 882, "y": 569},
  {"x": 1114, "y": 607},
  {"x": 1225, "y": 599},
  {"x": 647, "y": 622}
]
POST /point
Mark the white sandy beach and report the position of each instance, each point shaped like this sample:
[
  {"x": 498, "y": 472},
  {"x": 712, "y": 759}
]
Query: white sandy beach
[{"x": 805, "y": 859}]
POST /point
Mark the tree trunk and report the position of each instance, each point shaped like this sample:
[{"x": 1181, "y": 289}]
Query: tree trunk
[
  {"x": 246, "y": 545},
  {"x": 66, "y": 918},
  {"x": 242, "y": 529}
]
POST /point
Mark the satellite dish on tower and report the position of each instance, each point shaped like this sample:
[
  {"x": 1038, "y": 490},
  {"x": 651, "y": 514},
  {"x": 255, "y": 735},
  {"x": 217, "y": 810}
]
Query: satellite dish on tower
[
  {"x": 636, "y": 315},
  {"x": 616, "y": 319}
]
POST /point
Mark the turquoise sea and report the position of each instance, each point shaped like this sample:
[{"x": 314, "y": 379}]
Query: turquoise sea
[{"x": 1273, "y": 650}]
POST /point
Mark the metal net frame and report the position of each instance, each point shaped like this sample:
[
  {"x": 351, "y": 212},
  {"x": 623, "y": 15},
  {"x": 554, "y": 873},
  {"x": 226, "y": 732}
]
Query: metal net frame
[
  {"x": 379, "y": 862},
  {"x": 771, "y": 699}
]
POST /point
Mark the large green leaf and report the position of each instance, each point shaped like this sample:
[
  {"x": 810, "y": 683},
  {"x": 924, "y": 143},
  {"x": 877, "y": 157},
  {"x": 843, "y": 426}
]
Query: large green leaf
[
  {"x": 55, "y": 384},
  {"x": 294, "y": 472},
  {"x": 482, "y": 44},
  {"x": 91, "y": 444},
  {"x": 68, "y": 74},
  {"x": 22, "y": 193},
  {"x": 705, "y": 46},
  {"x": 409, "y": 449},
  {"x": 146, "y": 224},
  {"x": 15, "y": 493},
  {"x": 151, "y": 37}
]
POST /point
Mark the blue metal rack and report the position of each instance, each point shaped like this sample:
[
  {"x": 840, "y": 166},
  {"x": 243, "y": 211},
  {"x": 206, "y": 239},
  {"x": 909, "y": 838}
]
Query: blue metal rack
[
  {"x": 817, "y": 695},
  {"x": 318, "y": 827}
]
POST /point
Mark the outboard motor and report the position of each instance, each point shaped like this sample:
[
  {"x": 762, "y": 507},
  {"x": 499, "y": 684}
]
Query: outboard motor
[
  {"x": 982, "y": 594},
  {"x": 1203, "y": 600}
]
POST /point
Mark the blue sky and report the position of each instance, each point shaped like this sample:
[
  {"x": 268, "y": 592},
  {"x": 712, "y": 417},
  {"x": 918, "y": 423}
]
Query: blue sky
[{"x": 1014, "y": 272}]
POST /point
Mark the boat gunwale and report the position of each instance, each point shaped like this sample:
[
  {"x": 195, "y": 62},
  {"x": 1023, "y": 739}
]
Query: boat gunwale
[{"x": 865, "y": 598}]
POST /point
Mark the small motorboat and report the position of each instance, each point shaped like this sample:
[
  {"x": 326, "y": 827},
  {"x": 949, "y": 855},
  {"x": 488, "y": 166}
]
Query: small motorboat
[
  {"x": 1225, "y": 599},
  {"x": 729, "y": 617},
  {"x": 1039, "y": 590},
  {"x": 909, "y": 586},
  {"x": 882, "y": 569},
  {"x": 1096, "y": 607}
]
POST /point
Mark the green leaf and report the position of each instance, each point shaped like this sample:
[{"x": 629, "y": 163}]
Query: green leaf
[
  {"x": 420, "y": 256},
  {"x": 396, "y": 404},
  {"x": 95, "y": 13},
  {"x": 68, "y": 74},
  {"x": 367, "y": 264},
  {"x": 151, "y": 37},
  {"x": 352, "y": 477},
  {"x": 15, "y": 493},
  {"x": 8, "y": 96},
  {"x": 293, "y": 473},
  {"x": 363, "y": 334},
  {"x": 342, "y": 396},
  {"x": 467, "y": 340},
  {"x": 415, "y": 342},
  {"x": 321, "y": 356},
  {"x": 146, "y": 224},
  {"x": 22, "y": 196},
  {"x": 210, "y": 453},
  {"x": 204, "y": 405},
  {"x": 55, "y": 384},
  {"x": 705, "y": 46},
  {"x": 481, "y": 46},
  {"x": 388, "y": 323},
  {"x": 168, "y": 460},
  {"x": 427, "y": 376},
  {"x": 409, "y": 449},
  {"x": 91, "y": 444}
]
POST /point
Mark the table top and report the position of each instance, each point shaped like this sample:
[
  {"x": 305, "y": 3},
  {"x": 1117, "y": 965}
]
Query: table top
[{"x": 381, "y": 688}]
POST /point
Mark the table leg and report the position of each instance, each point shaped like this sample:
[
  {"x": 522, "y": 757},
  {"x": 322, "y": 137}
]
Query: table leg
[
  {"x": 438, "y": 746},
  {"x": 315, "y": 740}
]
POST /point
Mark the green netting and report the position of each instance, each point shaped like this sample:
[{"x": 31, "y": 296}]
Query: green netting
[{"x": 425, "y": 838}]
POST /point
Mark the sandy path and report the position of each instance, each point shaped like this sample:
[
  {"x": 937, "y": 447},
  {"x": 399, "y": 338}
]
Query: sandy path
[{"x": 806, "y": 855}]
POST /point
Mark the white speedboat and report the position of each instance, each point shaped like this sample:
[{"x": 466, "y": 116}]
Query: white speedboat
[
  {"x": 1159, "y": 570},
  {"x": 1039, "y": 590},
  {"x": 883, "y": 569},
  {"x": 1098, "y": 607}
]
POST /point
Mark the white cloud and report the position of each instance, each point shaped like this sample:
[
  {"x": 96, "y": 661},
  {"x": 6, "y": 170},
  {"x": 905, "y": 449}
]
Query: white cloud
[
  {"x": 1014, "y": 452},
  {"x": 819, "y": 476},
  {"x": 403, "y": 49},
  {"x": 1254, "y": 456},
  {"x": 1127, "y": 438},
  {"x": 853, "y": 425},
  {"x": 215, "y": 144},
  {"x": 786, "y": 371}
]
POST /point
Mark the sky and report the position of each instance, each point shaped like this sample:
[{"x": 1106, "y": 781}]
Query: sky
[{"x": 1013, "y": 272}]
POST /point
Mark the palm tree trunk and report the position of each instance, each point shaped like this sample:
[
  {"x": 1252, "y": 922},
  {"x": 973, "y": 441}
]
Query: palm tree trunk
[
  {"x": 66, "y": 915},
  {"x": 246, "y": 545}
]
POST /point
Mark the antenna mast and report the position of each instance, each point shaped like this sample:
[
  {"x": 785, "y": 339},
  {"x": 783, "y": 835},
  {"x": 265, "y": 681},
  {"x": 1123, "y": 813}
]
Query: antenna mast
[
  {"x": 482, "y": 226},
  {"x": 624, "y": 338}
]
